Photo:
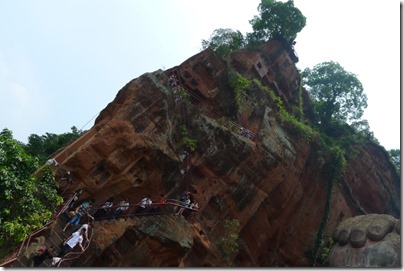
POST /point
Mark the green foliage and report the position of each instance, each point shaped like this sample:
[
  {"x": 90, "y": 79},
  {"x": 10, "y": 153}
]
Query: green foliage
[
  {"x": 302, "y": 129},
  {"x": 395, "y": 158},
  {"x": 362, "y": 130},
  {"x": 325, "y": 249},
  {"x": 299, "y": 111},
  {"x": 223, "y": 41},
  {"x": 276, "y": 20},
  {"x": 26, "y": 201},
  {"x": 336, "y": 165},
  {"x": 279, "y": 20},
  {"x": 183, "y": 93},
  {"x": 228, "y": 242},
  {"x": 186, "y": 141},
  {"x": 44, "y": 146},
  {"x": 240, "y": 84},
  {"x": 286, "y": 118},
  {"x": 346, "y": 136},
  {"x": 337, "y": 94}
]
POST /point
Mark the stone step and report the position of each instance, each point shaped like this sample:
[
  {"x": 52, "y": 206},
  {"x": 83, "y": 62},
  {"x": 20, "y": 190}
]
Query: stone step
[
  {"x": 55, "y": 241},
  {"x": 22, "y": 262}
]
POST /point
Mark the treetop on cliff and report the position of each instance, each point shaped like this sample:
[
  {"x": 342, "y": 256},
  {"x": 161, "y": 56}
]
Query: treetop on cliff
[
  {"x": 337, "y": 94},
  {"x": 276, "y": 20}
]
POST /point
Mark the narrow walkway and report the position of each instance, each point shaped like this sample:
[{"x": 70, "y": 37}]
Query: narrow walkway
[{"x": 51, "y": 234}]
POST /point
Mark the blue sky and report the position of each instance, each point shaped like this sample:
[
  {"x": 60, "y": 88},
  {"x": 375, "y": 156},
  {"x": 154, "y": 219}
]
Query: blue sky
[{"x": 62, "y": 62}]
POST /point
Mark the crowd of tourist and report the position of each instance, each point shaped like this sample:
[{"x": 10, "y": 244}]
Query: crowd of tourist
[{"x": 184, "y": 206}]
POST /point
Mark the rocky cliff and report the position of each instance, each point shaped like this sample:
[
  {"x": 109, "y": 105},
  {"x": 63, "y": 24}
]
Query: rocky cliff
[{"x": 274, "y": 183}]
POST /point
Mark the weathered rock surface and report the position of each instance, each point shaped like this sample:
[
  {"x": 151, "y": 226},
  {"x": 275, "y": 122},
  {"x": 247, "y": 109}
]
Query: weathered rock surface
[
  {"x": 275, "y": 185},
  {"x": 130, "y": 242},
  {"x": 367, "y": 241}
]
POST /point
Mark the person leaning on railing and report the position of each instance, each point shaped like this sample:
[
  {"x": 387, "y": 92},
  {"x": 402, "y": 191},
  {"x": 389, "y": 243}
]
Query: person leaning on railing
[
  {"x": 104, "y": 208},
  {"x": 123, "y": 206},
  {"x": 82, "y": 210},
  {"x": 185, "y": 204},
  {"x": 86, "y": 226},
  {"x": 75, "y": 198},
  {"x": 156, "y": 206},
  {"x": 143, "y": 204}
]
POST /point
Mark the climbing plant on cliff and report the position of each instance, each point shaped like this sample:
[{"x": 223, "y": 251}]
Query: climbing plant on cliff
[
  {"x": 276, "y": 20},
  {"x": 325, "y": 249},
  {"x": 228, "y": 242},
  {"x": 335, "y": 169},
  {"x": 186, "y": 140},
  {"x": 183, "y": 94},
  {"x": 244, "y": 103},
  {"x": 285, "y": 117},
  {"x": 26, "y": 201},
  {"x": 337, "y": 94}
]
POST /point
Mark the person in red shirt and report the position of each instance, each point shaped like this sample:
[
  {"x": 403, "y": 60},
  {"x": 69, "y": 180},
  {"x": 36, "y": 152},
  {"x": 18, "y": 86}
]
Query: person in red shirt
[{"x": 156, "y": 206}]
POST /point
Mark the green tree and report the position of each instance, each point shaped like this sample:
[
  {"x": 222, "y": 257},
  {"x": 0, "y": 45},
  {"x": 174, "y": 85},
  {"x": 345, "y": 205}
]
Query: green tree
[
  {"x": 44, "y": 146},
  {"x": 337, "y": 94},
  {"x": 224, "y": 40},
  {"x": 395, "y": 157},
  {"x": 27, "y": 201},
  {"x": 279, "y": 20}
]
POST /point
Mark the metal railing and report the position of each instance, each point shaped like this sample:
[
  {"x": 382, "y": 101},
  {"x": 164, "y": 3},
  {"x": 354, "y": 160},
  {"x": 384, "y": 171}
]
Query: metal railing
[
  {"x": 27, "y": 241},
  {"x": 73, "y": 255}
]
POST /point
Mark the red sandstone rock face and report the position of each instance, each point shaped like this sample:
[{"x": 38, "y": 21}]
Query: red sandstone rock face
[
  {"x": 273, "y": 66},
  {"x": 275, "y": 185}
]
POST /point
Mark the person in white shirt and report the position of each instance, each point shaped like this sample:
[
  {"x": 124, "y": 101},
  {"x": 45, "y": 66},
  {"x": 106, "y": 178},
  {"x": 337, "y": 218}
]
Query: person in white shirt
[
  {"x": 104, "y": 208},
  {"x": 123, "y": 206},
  {"x": 86, "y": 227},
  {"x": 143, "y": 204},
  {"x": 51, "y": 161},
  {"x": 72, "y": 241}
]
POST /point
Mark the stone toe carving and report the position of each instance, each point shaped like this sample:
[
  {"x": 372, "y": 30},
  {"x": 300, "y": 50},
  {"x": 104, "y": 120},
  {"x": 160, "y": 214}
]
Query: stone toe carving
[
  {"x": 380, "y": 227},
  {"x": 366, "y": 241}
]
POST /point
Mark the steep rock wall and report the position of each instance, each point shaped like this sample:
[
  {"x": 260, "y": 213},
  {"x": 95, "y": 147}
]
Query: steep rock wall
[{"x": 274, "y": 185}]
